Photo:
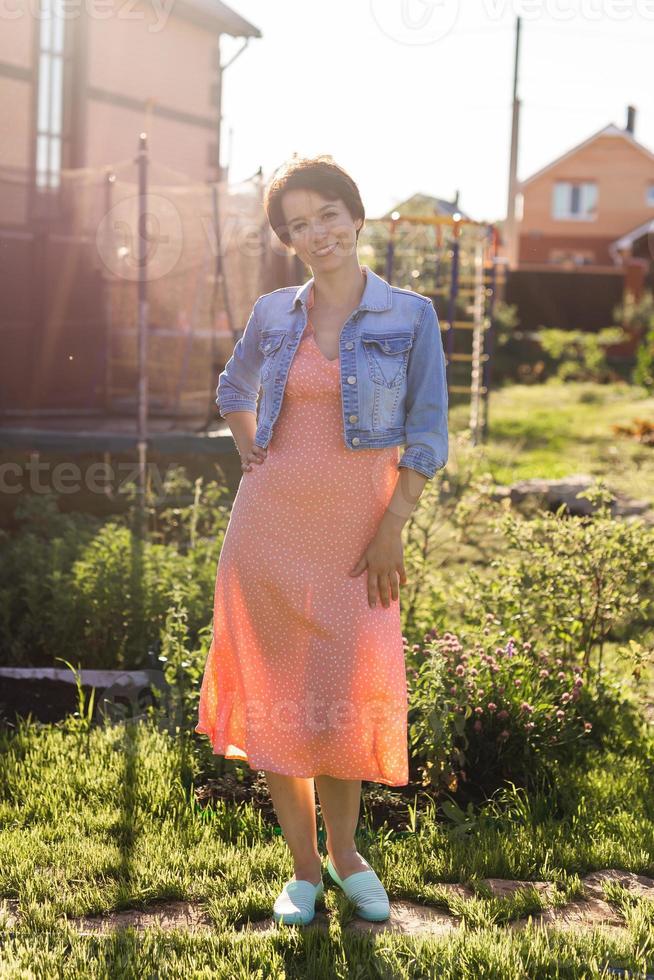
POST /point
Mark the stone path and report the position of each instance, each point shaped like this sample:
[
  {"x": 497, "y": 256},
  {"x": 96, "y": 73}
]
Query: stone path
[{"x": 409, "y": 918}]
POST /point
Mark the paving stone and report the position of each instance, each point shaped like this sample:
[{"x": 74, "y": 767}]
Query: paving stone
[
  {"x": 639, "y": 885},
  {"x": 411, "y": 919},
  {"x": 505, "y": 887},
  {"x": 580, "y": 913},
  {"x": 166, "y": 915},
  {"x": 454, "y": 889}
]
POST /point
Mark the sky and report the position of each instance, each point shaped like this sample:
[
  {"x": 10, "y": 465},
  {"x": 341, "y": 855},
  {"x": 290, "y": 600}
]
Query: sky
[{"x": 414, "y": 96}]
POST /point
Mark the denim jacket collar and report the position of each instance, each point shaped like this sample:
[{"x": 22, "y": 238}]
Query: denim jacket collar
[{"x": 376, "y": 295}]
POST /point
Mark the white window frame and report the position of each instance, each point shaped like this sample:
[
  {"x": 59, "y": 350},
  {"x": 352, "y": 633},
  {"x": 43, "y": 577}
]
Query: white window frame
[
  {"x": 50, "y": 106},
  {"x": 574, "y": 200}
]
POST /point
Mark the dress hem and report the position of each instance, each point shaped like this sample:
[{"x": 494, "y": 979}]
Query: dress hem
[{"x": 257, "y": 767}]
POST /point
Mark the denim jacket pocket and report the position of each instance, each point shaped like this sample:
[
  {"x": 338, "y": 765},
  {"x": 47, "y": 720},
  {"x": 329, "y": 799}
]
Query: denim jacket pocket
[
  {"x": 269, "y": 343},
  {"x": 387, "y": 356}
]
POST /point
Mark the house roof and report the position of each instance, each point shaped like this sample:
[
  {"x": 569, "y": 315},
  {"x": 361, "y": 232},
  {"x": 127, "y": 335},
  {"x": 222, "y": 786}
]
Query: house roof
[
  {"x": 610, "y": 130},
  {"x": 220, "y": 15},
  {"x": 423, "y": 205},
  {"x": 628, "y": 239}
]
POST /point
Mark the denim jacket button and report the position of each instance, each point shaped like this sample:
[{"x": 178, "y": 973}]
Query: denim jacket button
[
  {"x": 353, "y": 418},
  {"x": 349, "y": 345},
  {"x": 351, "y": 380},
  {"x": 356, "y": 441}
]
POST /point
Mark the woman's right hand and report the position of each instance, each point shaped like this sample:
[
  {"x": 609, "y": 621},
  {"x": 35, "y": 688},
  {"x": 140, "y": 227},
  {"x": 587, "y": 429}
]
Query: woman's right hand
[{"x": 256, "y": 454}]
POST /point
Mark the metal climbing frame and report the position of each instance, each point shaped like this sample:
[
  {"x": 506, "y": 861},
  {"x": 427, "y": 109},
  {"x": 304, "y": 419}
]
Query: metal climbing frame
[{"x": 454, "y": 261}]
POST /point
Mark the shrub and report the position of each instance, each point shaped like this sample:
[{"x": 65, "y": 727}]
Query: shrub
[
  {"x": 76, "y": 588},
  {"x": 490, "y": 709},
  {"x": 638, "y": 316},
  {"x": 580, "y": 355},
  {"x": 644, "y": 369},
  {"x": 568, "y": 582}
]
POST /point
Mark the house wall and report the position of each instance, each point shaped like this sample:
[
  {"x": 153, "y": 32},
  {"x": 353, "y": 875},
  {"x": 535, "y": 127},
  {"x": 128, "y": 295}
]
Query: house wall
[
  {"x": 623, "y": 173},
  {"x": 16, "y": 86},
  {"x": 158, "y": 80},
  {"x": 125, "y": 73}
]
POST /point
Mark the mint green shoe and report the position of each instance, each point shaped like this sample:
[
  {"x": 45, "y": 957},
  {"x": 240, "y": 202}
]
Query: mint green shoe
[
  {"x": 296, "y": 903},
  {"x": 366, "y": 891}
]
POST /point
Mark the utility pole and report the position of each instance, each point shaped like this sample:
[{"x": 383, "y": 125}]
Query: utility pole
[
  {"x": 143, "y": 326},
  {"x": 511, "y": 233}
]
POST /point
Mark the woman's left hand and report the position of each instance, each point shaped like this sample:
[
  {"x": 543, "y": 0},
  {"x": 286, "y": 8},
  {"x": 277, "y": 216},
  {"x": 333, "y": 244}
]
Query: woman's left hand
[{"x": 384, "y": 559}]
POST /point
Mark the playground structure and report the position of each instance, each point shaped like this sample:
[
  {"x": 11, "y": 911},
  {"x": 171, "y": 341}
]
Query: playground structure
[
  {"x": 455, "y": 262},
  {"x": 107, "y": 240},
  {"x": 195, "y": 252}
]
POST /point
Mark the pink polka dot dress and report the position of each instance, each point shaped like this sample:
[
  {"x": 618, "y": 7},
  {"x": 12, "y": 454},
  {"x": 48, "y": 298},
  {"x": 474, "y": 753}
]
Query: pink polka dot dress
[{"x": 303, "y": 677}]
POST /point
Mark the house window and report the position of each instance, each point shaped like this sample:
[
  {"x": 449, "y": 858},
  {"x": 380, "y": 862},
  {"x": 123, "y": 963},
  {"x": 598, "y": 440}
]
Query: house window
[
  {"x": 650, "y": 196},
  {"x": 574, "y": 200},
  {"x": 50, "y": 106}
]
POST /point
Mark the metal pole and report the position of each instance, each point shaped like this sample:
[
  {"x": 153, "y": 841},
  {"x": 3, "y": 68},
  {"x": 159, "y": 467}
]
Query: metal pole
[
  {"x": 143, "y": 316},
  {"x": 511, "y": 229},
  {"x": 490, "y": 332},
  {"x": 454, "y": 292},
  {"x": 477, "y": 345},
  {"x": 390, "y": 252},
  {"x": 107, "y": 292}
]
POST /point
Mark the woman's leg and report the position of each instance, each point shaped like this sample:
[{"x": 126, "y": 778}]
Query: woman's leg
[
  {"x": 294, "y": 799},
  {"x": 340, "y": 801}
]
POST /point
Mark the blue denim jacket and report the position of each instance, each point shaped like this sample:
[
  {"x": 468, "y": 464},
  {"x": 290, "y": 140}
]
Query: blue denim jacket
[{"x": 392, "y": 370}]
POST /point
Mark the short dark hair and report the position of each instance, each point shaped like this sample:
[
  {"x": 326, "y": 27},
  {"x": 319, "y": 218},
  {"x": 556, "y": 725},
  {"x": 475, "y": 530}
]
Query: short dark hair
[{"x": 320, "y": 174}]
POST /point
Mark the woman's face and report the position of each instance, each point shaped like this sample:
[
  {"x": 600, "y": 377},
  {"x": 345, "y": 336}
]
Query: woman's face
[{"x": 322, "y": 232}]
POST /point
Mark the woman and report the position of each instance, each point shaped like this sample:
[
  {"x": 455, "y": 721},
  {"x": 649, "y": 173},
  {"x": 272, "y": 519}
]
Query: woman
[{"x": 305, "y": 678}]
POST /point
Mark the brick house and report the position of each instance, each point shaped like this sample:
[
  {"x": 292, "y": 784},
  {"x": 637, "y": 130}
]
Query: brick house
[
  {"x": 75, "y": 91},
  {"x": 591, "y": 206}
]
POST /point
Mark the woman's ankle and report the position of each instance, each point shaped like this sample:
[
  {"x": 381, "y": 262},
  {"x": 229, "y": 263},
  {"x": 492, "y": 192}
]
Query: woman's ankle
[
  {"x": 347, "y": 861},
  {"x": 309, "y": 870}
]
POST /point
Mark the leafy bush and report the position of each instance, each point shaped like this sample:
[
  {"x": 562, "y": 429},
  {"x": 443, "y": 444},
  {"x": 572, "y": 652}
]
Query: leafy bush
[
  {"x": 644, "y": 369},
  {"x": 443, "y": 531},
  {"x": 568, "y": 582},
  {"x": 516, "y": 353},
  {"x": 489, "y": 709},
  {"x": 75, "y": 588},
  {"x": 580, "y": 355}
]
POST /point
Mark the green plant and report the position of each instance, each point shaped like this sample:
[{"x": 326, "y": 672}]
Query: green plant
[
  {"x": 489, "y": 709},
  {"x": 638, "y": 316},
  {"x": 580, "y": 355},
  {"x": 636, "y": 313},
  {"x": 568, "y": 582},
  {"x": 69, "y": 582},
  {"x": 506, "y": 321},
  {"x": 182, "y": 666},
  {"x": 644, "y": 369}
]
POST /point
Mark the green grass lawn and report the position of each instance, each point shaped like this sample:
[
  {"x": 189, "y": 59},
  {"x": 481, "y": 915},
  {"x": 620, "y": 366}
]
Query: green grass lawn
[
  {"x": 91, "y": 823},
  {"x": 554, "y": 430}
]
